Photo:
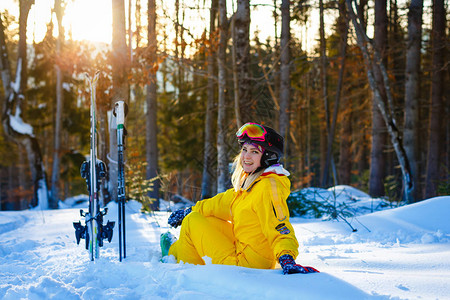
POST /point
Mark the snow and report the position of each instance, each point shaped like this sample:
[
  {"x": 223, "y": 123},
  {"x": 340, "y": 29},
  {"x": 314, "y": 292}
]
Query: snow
[
  {"x": 42, "y": 194},
  {"x": 15, "y": 85},
  {"x": 66, "y": 86},
  {"x": 398, "y": 253},
  {"x": 16, "y": 122}
]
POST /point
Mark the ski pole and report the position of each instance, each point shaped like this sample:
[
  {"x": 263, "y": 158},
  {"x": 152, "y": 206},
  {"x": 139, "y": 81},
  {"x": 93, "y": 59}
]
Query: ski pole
[{"x": 119, "y": 111}]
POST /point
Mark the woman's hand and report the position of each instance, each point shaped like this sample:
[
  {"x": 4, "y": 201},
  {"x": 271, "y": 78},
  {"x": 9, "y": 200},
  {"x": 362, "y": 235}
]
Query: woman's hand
[
  {"x": 176, "y": 218},
  {"x": 289, "y": 266}
]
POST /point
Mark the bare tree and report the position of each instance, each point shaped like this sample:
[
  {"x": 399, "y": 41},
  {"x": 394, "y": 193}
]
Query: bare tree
[
  {"x": 59, "y": 11},
  {"x": 363, "y": 149},
  {"x": 208, "y": 158},
  {"x": 411, "y": 134},
  {"x": 275, "y": 82},
  {"x": 323, "y": 62},
  {"x": 241, "y": 42},
  {"x": 362, "y": 13},
  {"x": 343, "y": 31},
  {"x": 285, "y": 74},
  {"x": 436, "y": 131},
  {"x": 237, "y": 100},
  {"x": 222, "y": 157},
  {"x": 14, "y": 126},
  {"x": 324, "y": 85},
  {"x": 151, "y": 126},
  {"x": 378, "y": 158}
]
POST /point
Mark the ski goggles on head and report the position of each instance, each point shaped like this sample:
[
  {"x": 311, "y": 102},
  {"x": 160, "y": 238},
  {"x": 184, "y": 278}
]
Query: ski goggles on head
[{"x": 254, "y": 131}]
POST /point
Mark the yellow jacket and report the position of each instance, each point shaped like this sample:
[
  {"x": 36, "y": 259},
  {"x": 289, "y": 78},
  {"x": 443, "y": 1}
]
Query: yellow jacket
[{"x": 260, "y": 219}]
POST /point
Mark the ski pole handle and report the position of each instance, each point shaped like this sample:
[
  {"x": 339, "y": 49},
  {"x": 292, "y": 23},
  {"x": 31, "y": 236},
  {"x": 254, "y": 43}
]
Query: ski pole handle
[{"x": 119, "y": 110}]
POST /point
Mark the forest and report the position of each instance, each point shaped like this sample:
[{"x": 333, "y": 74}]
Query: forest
[{"x": 359, "y": 89}]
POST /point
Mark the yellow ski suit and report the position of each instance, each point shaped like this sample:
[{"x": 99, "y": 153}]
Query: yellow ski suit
[{"x": 247, "y": 228}]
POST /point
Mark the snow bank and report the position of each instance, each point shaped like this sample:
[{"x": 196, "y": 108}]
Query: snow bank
[
  {"x": 10, "y": 221},
  {"x": 74, "y": 202},
  {"x": 424, "y": 222},
  {"x": 421, "y": 223}
]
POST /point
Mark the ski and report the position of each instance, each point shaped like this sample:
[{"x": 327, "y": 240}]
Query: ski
[
  {"x": 93, "y": 192},
  {"x": 93, "y": 170},
  {"x": 120, "y": 110}
]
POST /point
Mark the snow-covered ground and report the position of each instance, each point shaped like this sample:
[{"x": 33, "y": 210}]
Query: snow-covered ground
[{"x": 400, "y": 253}]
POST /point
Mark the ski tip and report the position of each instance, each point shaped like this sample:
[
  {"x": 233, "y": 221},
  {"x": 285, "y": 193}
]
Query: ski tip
[{"x": 96, "y": 75}]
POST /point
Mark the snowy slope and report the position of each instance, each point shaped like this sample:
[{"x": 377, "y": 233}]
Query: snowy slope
[{"x": 402, "y": 253}]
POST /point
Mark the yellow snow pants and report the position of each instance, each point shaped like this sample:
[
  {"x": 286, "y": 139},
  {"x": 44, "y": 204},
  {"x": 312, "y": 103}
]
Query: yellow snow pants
[{"x": 212, "y": 237}]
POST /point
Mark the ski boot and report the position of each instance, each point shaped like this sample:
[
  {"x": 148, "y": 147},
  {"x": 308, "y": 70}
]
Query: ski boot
[{"x": 167, "y": 239}]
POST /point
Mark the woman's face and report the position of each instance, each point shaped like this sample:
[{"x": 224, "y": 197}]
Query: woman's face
[{"x": 250, "y": 158}]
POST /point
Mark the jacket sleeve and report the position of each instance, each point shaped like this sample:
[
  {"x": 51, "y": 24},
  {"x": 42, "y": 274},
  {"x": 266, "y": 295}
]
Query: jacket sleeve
[
  {"x": 218, "y": 206},
  {"x": 273, "y": 214}
]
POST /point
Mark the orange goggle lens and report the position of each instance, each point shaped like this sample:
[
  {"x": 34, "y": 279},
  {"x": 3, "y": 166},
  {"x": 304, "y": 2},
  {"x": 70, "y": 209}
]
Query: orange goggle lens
[{"x": 253, "y": 130}]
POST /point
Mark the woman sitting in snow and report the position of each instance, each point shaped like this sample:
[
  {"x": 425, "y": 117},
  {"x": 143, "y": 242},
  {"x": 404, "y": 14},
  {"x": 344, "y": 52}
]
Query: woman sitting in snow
[{"x": 248, "y": 225}]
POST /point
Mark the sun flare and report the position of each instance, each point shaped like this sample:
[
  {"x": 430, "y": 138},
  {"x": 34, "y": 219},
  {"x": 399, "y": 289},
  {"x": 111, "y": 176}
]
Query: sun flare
[
  {"x": 83, "y": 19},
  {"x": 89, "y": 20}
]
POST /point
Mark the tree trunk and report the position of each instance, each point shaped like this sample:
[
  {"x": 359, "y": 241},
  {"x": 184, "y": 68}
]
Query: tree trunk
[
  {"x": 362, "y": 152},
  {"x": 378, "y": 157},
  {"x": 436, "y": 132},
  {"x": 276, "y": 81},
  {"x": 151, "y": 125},
  {"x": 242, "y": 44},
  {"x": 285, "y": 75},
  {"x": 308, "y": 129},
  {"x": 324, "y": 85},
  {"x": 237, "y": 101},
  {"x": 209, "y": 151},
  {"x": 343, "y": 29},
  {"x": 397, "y": 52},
  {"x": 103, "y": 133},
  {"x": 138, "y": 25},
  {"x": 411, "y": 133},
  {"x": 130, "y": 32},
  {"x": 345, "y": 156},
  {"x": 59, "y": 108},
  {"x": 222, "y": 157},
  {"x": 362, "y": 12},
  {"x": 13, "y": 125},
  {"x": 120, "y": 91}
]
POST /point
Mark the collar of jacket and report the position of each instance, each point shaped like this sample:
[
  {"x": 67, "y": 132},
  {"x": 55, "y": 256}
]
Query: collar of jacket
[{"x": 274, "y": 169}]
